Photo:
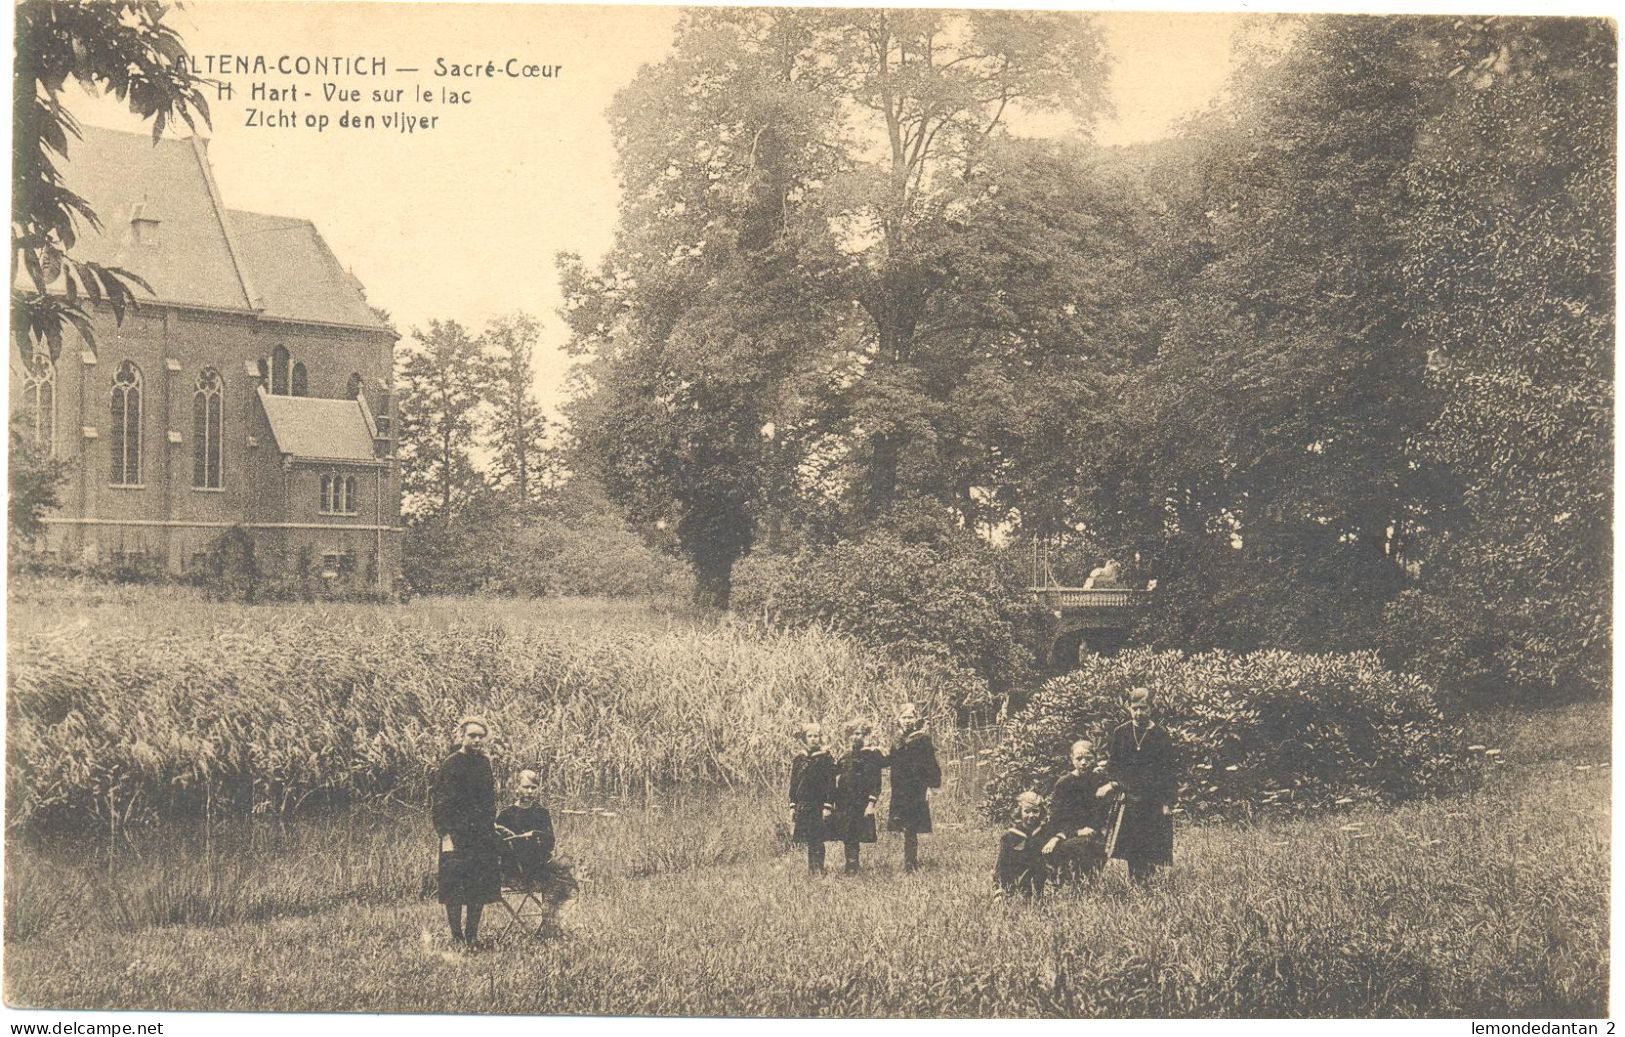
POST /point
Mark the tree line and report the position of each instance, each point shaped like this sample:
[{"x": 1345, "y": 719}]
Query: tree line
[
  {"x": 1332, "y": 364},
  {"x": 486, "y": 498}
]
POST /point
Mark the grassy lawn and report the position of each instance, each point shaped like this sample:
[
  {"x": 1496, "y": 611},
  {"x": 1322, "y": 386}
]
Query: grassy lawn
[{"x": 1491, "y": 904}]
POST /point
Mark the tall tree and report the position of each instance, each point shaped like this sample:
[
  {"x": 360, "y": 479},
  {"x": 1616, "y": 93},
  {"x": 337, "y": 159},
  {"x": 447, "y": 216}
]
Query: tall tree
[
  {"x": 123, "y": 48},
  {"x": 1261, "y": 460},
  {"x": 695, "y": 328},
  {"x": 927, "y": 94},
  {"x": 1380, "y": 408},
  {"x": 1511, "y": 257},
  {"x": 787, "y": 268},
  {"x": 439, "y": 386},
  {"x": 514, "y": 427}
]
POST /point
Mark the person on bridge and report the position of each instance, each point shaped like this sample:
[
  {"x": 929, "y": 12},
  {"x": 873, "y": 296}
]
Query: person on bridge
[
  {"x": 914, "y": 771},
  {"x": 464, "y": 813},
  {"x": 1143, "y": 773},
  {"x": 1106, "y": 577}
]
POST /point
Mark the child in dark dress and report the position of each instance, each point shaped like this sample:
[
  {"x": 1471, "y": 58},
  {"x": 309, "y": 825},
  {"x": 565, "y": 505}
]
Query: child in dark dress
[
  {"x": 1078, "y": 818},
  {"x": 464, "y": 814},
  {"x": 1020, "y": 869},
  {"x": 528, "y": 863},
  {"x": 857, "y": 789},
  {"x": 812, "y": 795},
  {"x": 527, "y": 831},
  {"x": 1145, "y": 779},
  {"x": 914, "y": 770}
]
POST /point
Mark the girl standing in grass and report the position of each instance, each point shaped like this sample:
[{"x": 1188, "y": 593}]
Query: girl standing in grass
[
  {"x": 464, "y": 812},
  {"x": 1142, "y": 771},
  {"x": 812, "y": 795},
  {"x": 914, "y": 770},
  {"x": 857, "y": 789}
]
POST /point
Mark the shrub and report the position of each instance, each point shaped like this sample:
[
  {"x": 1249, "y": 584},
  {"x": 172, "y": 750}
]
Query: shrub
[
  {"x": 231, "y": 571},
  {"x": 135, "y": 570},
  {"x": 937, "y": 596},
  {"x": 1264, "y": 732},
  {"x": 35, "y": 486},
  {"x": 590, "y": 557},
  {"x": 541, "y": 555}
]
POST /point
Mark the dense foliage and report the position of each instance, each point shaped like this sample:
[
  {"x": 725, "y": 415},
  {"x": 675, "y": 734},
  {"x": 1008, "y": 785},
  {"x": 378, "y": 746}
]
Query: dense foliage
[
  {"x": 1331, "y": 363},
  {"x": 33, "y": 488},
  {"x": 485, "y": 503},
  {"x": 916, "y": 592},
  {"x": 1254, "y": 734},
  {"x": 540, "y": 553},
  {"x": 834, "y": 265},
  {"x": 1514, "y": 259},
  {"x": 1378, "y": 413}
]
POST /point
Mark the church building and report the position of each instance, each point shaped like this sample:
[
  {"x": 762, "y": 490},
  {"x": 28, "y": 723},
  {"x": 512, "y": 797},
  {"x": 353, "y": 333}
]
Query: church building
[{"x": 251, "y": 388}]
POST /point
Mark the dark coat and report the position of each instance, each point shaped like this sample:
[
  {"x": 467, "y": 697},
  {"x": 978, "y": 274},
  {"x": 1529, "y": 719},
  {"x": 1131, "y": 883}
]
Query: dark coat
[
  {"x": 812, "y": 788},
  {"x": 914, "y": 769},
  {"x": 857, "y": 786},
  {"x": 524, "y": 860},
  {"x": 464, "y": 809},
  {"x": 1143, "y": 764},
  {"x": 1074, "y": 804},
  {"x": 1020, "y": 867}
]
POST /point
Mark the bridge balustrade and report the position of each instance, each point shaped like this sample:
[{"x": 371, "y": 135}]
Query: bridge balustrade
[{"x": 1068, "y": 598}]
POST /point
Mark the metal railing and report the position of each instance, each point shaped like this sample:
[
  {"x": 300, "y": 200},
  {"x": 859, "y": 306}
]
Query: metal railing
[{"x": 1090, "y": 598}]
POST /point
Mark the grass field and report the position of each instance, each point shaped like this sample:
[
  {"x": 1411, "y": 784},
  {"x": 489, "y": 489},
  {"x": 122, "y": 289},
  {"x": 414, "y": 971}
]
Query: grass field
[{"x": 1489, "y": 904}]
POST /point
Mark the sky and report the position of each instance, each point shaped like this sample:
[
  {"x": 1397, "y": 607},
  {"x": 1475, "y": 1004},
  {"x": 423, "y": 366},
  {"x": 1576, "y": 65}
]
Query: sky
[{"x": 462, "y": 219}]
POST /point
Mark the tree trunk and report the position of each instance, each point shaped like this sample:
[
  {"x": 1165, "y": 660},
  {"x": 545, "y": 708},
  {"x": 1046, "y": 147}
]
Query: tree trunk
[
  {"x": 445, "y": 478},
  {"x": 713, "y": 578},
  {"x": 883, "y": 473}
]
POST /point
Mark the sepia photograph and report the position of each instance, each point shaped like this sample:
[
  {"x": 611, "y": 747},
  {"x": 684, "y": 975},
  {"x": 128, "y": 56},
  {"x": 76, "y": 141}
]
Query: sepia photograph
[{"x": 537, "y": 510}]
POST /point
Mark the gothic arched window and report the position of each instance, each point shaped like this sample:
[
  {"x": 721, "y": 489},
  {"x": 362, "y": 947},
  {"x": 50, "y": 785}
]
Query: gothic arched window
[
  {"x": 349, "y": 495},
  {"x": 279, "y": 371},
  {"x": 207, "y": 418},
  {"x": 301, "y": 383},
  {"x": 124, "y": 440},
  {"x": 39, "y": 401}
]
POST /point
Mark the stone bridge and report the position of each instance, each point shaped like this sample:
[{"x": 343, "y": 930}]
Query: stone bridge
[{"x": 1086, "y": 620}]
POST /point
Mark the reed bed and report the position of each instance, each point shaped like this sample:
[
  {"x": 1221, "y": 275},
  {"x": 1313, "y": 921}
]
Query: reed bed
[{"x": 122, "y": 714}]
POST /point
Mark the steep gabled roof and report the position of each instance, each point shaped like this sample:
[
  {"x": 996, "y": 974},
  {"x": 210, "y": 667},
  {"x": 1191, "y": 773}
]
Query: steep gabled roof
[
  {"x": 317, "y": 429},
  {"x": 296, "y": 274},
  {"x": 192, "y": 260},
  {"x": 201, "y": 253}
]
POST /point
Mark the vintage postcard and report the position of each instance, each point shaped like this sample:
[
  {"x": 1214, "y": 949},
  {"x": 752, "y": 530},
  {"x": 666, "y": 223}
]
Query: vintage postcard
[{"x": 538, "y": 510}]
